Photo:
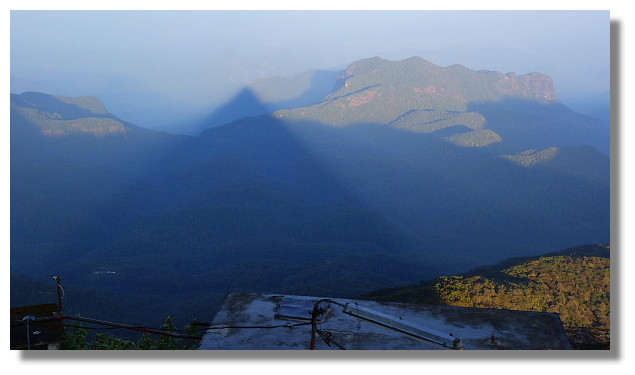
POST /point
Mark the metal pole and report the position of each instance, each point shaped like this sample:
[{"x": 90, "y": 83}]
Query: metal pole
[
  {"x": 59, "y": 294},
  {"x": 314, "y": 315},
  {"x": 28, "y": 336},
  {"x": 28, "y": 330}
]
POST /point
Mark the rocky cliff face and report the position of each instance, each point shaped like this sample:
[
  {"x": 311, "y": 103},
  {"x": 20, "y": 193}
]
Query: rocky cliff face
[{"x": 532, "y": 86}]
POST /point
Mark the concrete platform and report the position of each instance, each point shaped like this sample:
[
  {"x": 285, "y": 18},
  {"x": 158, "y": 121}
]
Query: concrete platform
[{"x": 283, "y": 322}]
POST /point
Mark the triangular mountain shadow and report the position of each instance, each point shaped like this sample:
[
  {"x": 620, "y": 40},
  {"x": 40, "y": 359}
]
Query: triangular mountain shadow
[
  {"x": 242, "y": 196},
  {"x": 245, "y": 206},
  {"x": 244, "y": 104},
  {"x": 248, "y": 103}
]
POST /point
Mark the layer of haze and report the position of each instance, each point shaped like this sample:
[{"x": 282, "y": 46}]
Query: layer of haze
[{"x": 160, "y": 68}]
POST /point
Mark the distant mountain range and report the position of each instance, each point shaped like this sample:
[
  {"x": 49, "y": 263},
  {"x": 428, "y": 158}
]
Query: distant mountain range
[
  {"x": 416, "y": 95},
  {"x": 400, "y": 171}
]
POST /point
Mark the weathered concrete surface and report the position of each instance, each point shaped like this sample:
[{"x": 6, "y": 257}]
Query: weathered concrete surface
[{"x": 251, "y": 315}]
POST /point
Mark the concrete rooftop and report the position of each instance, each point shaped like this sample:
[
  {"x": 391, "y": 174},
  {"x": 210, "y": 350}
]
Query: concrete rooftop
[{"x": 282, "y": 322}]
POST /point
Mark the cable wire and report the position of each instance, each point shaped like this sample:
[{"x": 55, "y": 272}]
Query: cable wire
[
  {"x": 287, "y": 325},
  {"x": 174, "y": 330},
  {"x": 329, "y": 338}
]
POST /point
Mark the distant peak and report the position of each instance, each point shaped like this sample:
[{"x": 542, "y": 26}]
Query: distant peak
[
  {"x": 457, "y": 66},
  {"x": 415, "y": 59},
  {"x": 362, "y": 66}
]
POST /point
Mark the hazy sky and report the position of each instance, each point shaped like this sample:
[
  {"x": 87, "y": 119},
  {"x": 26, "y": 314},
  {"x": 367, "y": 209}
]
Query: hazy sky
[{"x": 199, "y": 59}]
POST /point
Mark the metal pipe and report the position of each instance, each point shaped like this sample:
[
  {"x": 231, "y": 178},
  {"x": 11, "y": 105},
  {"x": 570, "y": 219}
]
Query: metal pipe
[{"x": 441, "y": 339}]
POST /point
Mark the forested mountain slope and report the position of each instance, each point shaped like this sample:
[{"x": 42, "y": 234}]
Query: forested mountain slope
[{"x": 574, "y": 282}]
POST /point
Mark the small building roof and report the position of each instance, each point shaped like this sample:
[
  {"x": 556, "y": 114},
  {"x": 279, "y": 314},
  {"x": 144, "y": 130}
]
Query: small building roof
[{"x": 283, "y": 322}]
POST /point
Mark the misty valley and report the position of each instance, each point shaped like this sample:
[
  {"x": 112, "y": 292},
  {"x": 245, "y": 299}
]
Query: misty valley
[{"x": 331, "y": 183}]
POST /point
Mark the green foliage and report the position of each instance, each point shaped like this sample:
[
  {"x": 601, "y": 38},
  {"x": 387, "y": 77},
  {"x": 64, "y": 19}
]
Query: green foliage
[
  {"x": 78, "y": 338},
  {"x": 167, "y": 342},
  {"x": 103, "y": 341},
  {"x": 575, "y": 286}
]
